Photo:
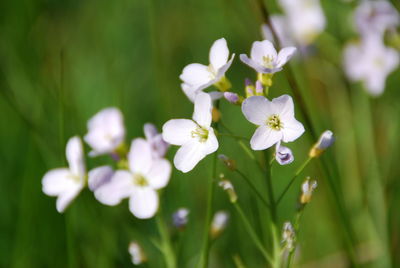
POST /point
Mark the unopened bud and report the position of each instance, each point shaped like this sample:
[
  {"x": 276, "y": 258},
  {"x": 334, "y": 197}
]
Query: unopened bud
[
  {"x": 325, "y": 140},
  {"x": 259, "y": 88},
  {"x": 137, "y": 254},
  {"x": 307, "y": 189},
  {"x": 249, "y": 88},
  {"x": 219, "y": 223},
  {"x": 180, "y": 218},
  {"x": 283, "y": 155},
  {"x": 232, "y": 97},
  {"x": 288, "y": 236},
  {"x": 229, "y": 163},
  {"x": 228, "y": 187}
]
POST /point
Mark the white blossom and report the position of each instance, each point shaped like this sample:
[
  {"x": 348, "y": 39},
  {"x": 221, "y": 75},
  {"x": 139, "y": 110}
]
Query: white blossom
[
  {"x": 196, "y": 137},
  {"x": 197, "y": 77},
  {"x": 265, "y": 59},
  {"x": 140, "y": 183},
  {"x": 370, "y": 62},
  {"x": 275, "y": 119},
  {"x": 66, "y": 183},
  {"x": 105, "y": 131},
  {"x": 136, "y": 252},
  {"x": 157, "y": 143}
]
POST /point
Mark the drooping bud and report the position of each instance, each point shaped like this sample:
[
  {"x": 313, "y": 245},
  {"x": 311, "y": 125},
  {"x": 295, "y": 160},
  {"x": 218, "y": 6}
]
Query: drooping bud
[
  {"x": 228, "y": 187},
  {"x": 307, "y": 189},
  {"x": 283, "y": 155},
  {"x": 325, "y": 140},
  {"x": 180, "y": 218},
  {"x": 218, "y": 223},
  {"x": 229, "y": 163},
  {"x": 288, "y": 236},
  {"x": 137, "y": 254}
]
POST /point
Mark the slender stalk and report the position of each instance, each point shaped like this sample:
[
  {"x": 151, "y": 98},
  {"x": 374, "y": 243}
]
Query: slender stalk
[
  {"x": 253, "y": 187},
  {"x": 270, "y": 189},
  {"x": 296, "y": 227},
  {"x": 252, "y": 233},
  {"x": 299, "y": 170},
  {"x": 165, "y": 246},
  {"x": 206, "y": 239}
]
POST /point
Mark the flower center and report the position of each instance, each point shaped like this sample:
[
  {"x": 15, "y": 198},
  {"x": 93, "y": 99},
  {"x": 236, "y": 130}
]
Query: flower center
[
  {"x": 139, "y": 180},
  {"x": 274, "y": 122},
  {"x": 200, "y": 133},
  {"x": 268, "y": 61}
]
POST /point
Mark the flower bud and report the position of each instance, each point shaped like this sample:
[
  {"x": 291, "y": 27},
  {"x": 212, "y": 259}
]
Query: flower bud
[
  {"x": 307, "y": 188},
  {"x": 283, "y": 155},
  {"x": 137, "y": 254},
  {"x": 180, "y": 218},
  {"x": 259, "y": 88},
  {"x": 325, "y": 140},
  {"x": 219, "y": 223},
  {"x": 229, "y": 163},
  {"x": 232, "y": 97},
  {"x": 288, "y": 236},
  {"x": 228, "y": 187},
  {"x": 249, "y": 88}
]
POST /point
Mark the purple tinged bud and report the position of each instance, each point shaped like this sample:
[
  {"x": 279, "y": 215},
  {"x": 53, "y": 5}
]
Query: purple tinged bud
[
  {"x": 180, "y": 218},
  {"x": 283, "y": 155},
  {"x": 231, "y": 97},
  {"x": 259, "y": 88},
  {"x": 247, "y": 82}
]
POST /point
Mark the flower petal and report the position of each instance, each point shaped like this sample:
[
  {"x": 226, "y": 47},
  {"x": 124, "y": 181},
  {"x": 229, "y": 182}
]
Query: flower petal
[
  {"x": 150, "y": 131},
  {"x": 99, "y": 176},
  {"x": 120, "y": 186},
  {"x": 284, "y": 55},
  {"x": 187, "y": 157},
  {"x": 257, "y": 109},
  {"x": 189, "y": 91},
  {"x": 202, "y": 109},
  {"x": 56, "y": 181},
  {"x": 264, "y": 137},
  {"x": 196, "y": 75},
  {"x": 261, "y": 49},
  {"x": 140, "y": 157},
  {"x": 65, "y": 198},
  {"x": 211, "y": 145},
  {"x": 284, "y": 106},
  {"x": 219, "y": 53},
  {"x": 255, "y": 65},
  {"x": 292, "y": 130},
  {"x": 178, "y": 131},
  {"x": 74, "y": 154},
  {"x": 159, "y": 173},
  {"x": 143, "y": 202}
]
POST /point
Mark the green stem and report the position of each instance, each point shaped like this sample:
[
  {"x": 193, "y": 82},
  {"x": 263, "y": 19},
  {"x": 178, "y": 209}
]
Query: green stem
[
  {"x": 253, "y": 187},
  {"x": 270, "y": 189},
  {"x": 166, "y": 245},
  {"x": 206, "y": 239},
  {"x": 299, "y": 170},
  {"x": 296, "y": 227},
  {"x": 233, "y": 136},
  {"x": 252, "y": 233}
]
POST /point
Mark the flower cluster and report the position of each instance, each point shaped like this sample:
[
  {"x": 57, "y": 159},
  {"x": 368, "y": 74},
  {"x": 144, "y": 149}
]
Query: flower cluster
[{"x": 369, "y": 60}]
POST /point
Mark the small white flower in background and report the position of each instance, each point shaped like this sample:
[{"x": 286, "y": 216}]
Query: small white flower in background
[
  {"x": 196, "y": 137},
  {"x": 228, "y": 187},
  {"x": 265, "y": 59},
  {"x": 137, "y": 254},
  {"x": 106, "y": 131},
  {"x": 370, "y": 62},
  {"x": 66, "y": 183},
  {"x": 159, "y": 146},
  {"x": 325, "y": 141},
  {"x": 218, "y": 223},
  {"x": 283, "y": 155},
  {"x": 275, "y": 119},
  {"x": 305, "y": 20},
  {"x": 180, "y": 218},
  {"x": 146, "y": 174},
  {"x": 307, "y": 189},
  {"x": 288, "y": 236},
  {"x": 197, "y": 77},
  {"x": 375, "y": 17}
]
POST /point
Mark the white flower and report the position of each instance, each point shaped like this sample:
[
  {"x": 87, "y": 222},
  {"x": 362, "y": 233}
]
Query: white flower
[
  {"x": 275, "y": 119},
  {"x": 137, "y": 254},
  {"x": 197, "y": 77},
  {"x": 374, "y": 17},
  {"x": 66, "y": 183},
  {"x": 304, "y": 19},
  {"x": 370, "y": 62},
  {"x": 146, "y": 174},
  {"x": 158, "y": 145},
  {"x": 196, "y": 137},
  {"x": 283, "y": 154},
  {"x": 265, "y": 59},
  {"x": 105, "y": 131}
]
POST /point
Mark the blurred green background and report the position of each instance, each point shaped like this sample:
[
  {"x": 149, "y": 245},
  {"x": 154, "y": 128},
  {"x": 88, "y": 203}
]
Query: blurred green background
[{"x": 62, "y": 61}]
